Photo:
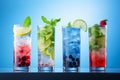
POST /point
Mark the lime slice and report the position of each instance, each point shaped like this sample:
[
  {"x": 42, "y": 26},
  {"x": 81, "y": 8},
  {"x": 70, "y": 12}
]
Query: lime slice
[
  {"x": 21, "y": 31},
  {"x": 41, "y": 32},
  {"x": 79, "y": 23},
  {"x": 42, "y": 44}
]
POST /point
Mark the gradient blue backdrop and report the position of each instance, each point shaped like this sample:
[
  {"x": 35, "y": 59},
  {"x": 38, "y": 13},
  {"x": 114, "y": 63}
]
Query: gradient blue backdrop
[{"x": 92, "y": 11}]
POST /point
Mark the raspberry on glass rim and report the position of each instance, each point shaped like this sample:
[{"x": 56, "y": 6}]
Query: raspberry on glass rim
[{"x": 103, "y": 23}]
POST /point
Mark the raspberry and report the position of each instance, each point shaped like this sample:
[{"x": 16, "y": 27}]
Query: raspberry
[
  {"x": 24, "y": 58},
  {"x": 103, "y": 23}
]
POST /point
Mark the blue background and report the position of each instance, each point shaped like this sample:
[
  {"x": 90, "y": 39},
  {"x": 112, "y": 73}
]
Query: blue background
[{"x": 92, "y": 11}]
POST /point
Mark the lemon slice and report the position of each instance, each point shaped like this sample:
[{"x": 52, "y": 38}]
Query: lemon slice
[
  {"x": 79, "y": 23},
  {"x": 21, "y": 31}
]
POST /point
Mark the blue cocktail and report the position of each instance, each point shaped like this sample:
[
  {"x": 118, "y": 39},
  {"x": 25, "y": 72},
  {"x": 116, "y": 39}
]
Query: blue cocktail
[{"x": 71, "y": 49}]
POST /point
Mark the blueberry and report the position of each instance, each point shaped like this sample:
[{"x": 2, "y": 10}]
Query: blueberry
[
  {"x": 70, "y": 64},
  {"x": 76, "y": 66},
  {"x": 77, "y": 59},
  {"x": 74, "y": 63},
  {"x": 70, "y": 56},
  {"x": 73, "y": 59}
]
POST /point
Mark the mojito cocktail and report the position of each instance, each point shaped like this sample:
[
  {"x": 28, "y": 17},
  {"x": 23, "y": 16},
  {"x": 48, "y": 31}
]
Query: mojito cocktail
[
  {"x": 46, "y": 41},
  {"x": 71, "y": 45},
  {"x": 22, "y": 47},
  {"x": 97, "y": 47}
]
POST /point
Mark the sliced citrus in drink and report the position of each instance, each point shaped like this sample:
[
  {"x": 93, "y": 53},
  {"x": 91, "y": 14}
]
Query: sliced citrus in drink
[
  {"x": 42, "y": 44},
  {"x": 49, "y": 33},
  {"x": 21, "y": 31},
  {"x": 52, "y": 53},
  {"x": 46, "y": 52},
  {"x": 101, "y": 40},
  {"x": 48, "y": 36},
  {"x": 79, "y": 23}
]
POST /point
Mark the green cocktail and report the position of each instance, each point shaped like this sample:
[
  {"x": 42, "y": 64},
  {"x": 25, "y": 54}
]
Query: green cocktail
[{"x": 46, "y": 41}]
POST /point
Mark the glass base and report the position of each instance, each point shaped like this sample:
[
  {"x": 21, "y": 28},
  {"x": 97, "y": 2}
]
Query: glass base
[
  {"x": 45, "y": 69},
  {"x": 68, "y": 69},
  {"x": 97, "y": 69},
  {"x": 21, "y": 69}
]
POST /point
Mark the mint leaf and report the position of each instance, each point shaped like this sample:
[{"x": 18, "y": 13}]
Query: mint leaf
[
  {"x": 54, "y": 21},
  {"x": 27, "y": 21},
  {"x": 57, "y": 20},
  {"x": 69, "y": 24},
  {"x": 44, "y": 19},
  {"x": 51, "y": 23}
]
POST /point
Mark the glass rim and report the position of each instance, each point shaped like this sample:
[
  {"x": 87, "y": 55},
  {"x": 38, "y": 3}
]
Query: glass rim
[
  {"x": 18, "y": 25},
  {"x": 40, "y": 26},
  {"x": 70, "y": 28}
]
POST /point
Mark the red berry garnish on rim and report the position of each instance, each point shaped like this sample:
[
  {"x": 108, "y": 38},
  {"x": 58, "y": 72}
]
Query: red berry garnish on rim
[{"x": 103, "y": 23}]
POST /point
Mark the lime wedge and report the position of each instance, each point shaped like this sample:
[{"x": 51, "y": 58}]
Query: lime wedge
[
  {"x": 52, "y": 53},
  {"x": 48, "y": 36},
  {"x": 49, "y": 53},
  {"x": 46, "y": 52},
  {"x": 21, "y": 31},
  {"x": 79, "y": 23}
]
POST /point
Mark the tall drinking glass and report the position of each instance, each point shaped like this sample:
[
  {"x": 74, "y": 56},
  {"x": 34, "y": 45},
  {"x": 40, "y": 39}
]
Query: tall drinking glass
[
  {"x": 22, "y": 48},
  {"x": 71, "y": 49},
  {"x": 97, "y": 47},
  {"x": 45, "y": 48}
]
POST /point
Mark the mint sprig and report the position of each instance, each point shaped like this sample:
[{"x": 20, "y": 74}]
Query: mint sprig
[
  {"x": 52, "y": 22},
  {"x": 69, "y": 24},
  {"x": 27, "y": 21}
]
